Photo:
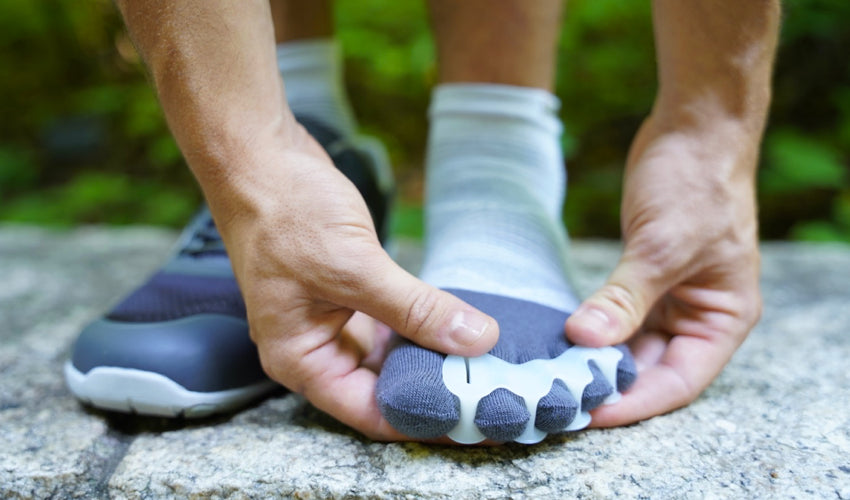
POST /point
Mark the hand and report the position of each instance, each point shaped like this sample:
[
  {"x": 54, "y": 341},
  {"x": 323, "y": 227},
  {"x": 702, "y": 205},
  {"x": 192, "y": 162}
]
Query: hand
[
  {"x": 686, "y": 288},
  {"x": 306, "y": 256}
]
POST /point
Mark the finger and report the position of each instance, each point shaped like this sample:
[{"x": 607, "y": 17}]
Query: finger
[
  {"x": 657, "y": 390},
  {"x": 687, "y": 367},
  {"x": 331, "y": 377},
  {"x": 350, "y": 398},
  {"x": 614, "y": 312},
  {"x": 425, "y": 315},
  {"x": 375, "y": 359},
  {"x": 361, "y": 330},
  {"x": 647, "y": 348}
]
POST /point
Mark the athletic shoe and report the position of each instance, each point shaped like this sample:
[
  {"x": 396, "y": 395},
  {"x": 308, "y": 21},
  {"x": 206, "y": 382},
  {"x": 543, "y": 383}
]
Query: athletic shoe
[{"x": 179, "y": 344}]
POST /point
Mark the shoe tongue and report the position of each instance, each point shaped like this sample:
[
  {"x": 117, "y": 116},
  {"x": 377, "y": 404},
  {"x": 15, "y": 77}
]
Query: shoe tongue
[{"x": 206, "y": 241}]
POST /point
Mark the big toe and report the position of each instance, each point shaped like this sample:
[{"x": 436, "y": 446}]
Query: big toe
[
  {"x": 501, "y": 415},
  {"x": 411, "y": 394},
  {"x": 556, "y": 409}
]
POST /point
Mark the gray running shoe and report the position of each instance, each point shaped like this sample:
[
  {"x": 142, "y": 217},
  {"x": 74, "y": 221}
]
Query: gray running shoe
[{"x": 179, "y": 344}]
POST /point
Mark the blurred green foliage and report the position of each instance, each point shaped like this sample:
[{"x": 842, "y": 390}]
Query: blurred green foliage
[{"x": 83, "y": 139}]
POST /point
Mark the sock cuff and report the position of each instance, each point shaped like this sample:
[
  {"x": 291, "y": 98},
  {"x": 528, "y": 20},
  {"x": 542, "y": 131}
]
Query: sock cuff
[
  {"x": 490, "y": 100},
  {"x": 313, "y": 80},
  {"x": 309, "y": 53}
]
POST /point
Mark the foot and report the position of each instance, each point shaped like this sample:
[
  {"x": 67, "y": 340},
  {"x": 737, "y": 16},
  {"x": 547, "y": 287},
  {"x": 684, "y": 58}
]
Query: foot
[
  {"x": 180, "y": 344},
  {"x": 533, "y": 383},
  {"x": 494, "y": 239}
]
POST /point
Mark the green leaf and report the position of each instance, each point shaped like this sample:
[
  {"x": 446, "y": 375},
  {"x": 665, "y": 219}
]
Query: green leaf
[
  {"x": 821, "y": 231},
  {"x": 796, "y": 162},
  {"x": 407, "y": 221}
]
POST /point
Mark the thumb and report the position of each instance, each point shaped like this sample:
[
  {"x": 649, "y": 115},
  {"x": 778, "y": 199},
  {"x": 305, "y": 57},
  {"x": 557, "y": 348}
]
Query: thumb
[
  {"x": 427, "y": 316},
  {"x": 614, "y": 312}
]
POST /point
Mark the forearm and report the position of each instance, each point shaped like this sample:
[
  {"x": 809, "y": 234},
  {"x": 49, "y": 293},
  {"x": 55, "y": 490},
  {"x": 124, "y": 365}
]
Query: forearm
[
  {"x": 213, "y": 65},
  {"x": 715, "y": 62}
]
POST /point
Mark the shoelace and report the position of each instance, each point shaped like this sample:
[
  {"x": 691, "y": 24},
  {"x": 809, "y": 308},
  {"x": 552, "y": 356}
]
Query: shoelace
[{"x": 206, "y": 240}]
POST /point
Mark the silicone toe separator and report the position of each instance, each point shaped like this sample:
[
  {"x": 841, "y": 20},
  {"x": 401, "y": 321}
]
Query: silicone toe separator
[{"x": 470, "y": 379}]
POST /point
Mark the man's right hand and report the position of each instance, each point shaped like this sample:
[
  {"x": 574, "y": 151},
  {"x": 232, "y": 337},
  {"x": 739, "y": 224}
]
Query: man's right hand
[
  {"x": 306, "y": 255},
  {"x": 299, "y": 234}
]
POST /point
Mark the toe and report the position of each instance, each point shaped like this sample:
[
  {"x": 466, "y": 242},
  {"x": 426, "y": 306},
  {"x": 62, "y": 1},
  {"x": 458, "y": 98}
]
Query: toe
[
  {"x": 626, "y": 369},
  {"x": 556, "y": 409},
  {"x": 596, "y": 391},
  {"x": 412, "y": 396},
  {"x": 501, "y": 415}
]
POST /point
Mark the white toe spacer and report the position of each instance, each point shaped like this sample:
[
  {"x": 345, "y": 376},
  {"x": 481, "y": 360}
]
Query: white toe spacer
[{"x": 470, "y": 379}]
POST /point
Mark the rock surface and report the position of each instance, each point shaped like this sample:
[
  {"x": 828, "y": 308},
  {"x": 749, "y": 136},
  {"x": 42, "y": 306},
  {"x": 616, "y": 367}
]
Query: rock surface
[{"x": 775, "y": 423}]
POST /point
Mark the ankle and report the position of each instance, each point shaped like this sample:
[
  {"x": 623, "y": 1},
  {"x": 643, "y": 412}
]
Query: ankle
[{"x": 499, "y": 139}]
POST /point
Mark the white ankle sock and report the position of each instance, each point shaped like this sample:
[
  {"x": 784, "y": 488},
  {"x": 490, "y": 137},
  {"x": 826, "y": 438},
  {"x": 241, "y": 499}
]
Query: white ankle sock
[
  {"x": 495, "y": 188},
  {"x": 312, "y": 75}
]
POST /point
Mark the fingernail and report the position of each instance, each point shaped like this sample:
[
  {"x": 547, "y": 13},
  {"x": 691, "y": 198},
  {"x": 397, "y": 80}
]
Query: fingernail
[
  {"x": 595, "y": 320},
  {"x": 467, "y": 327}
]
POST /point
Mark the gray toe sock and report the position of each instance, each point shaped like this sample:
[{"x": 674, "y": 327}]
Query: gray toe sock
[
  {"x": 501, "y": 415},
  {"x": 413, "y": 398},
  {"x": 495, "y": 185},
  {"x": 556, "y": 409},
  {"x": 411, "y": 393},
  {"x": 595, "y": 392},
  {"x": 626, "y": 369}
]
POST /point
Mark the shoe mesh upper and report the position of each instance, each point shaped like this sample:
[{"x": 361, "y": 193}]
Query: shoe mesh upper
[
  {"x": 168, "y": 296},
  {"x": 172, "y": 296}
]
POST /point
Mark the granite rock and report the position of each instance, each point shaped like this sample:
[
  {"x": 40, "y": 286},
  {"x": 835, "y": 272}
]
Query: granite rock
[{"x": 775, "y": 423}]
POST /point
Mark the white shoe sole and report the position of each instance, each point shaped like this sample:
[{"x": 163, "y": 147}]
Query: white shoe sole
[{"x": 146, "y": 393}]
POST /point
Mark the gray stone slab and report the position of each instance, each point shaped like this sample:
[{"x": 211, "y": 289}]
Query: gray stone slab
[
  {"x": 53, "y": 283},
  {"x": 774, "y": 424}
]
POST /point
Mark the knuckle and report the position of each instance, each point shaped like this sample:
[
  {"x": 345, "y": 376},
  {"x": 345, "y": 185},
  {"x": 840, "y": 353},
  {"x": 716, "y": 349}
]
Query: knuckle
[
  {"x": 283, "y": 364},
  {"x": 421, "y": 310},
  {"x": 271, "y": 367},
  {"x": 625, "y": 300},
  {"x": 308, "y": 380}
]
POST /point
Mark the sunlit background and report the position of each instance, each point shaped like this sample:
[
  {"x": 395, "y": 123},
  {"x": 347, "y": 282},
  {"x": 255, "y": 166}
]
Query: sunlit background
[{"x": 82, "y": 139}]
